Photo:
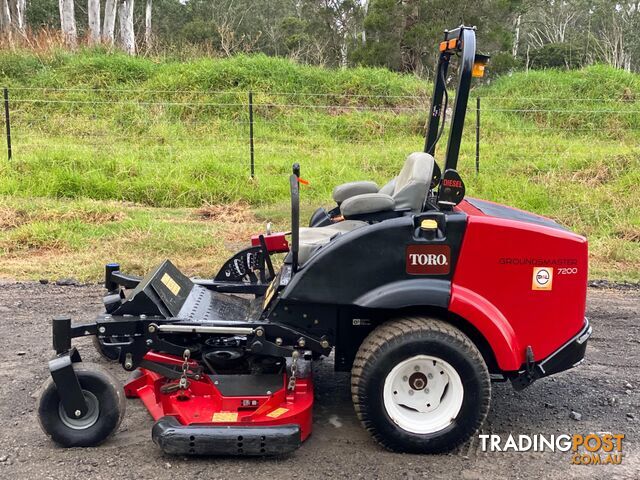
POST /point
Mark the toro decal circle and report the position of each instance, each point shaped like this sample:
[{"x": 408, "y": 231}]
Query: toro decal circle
[{"x": 542, "y": 278}]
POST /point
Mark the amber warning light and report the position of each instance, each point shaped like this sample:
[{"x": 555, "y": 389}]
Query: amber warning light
[{"x": 479, "y": 65}]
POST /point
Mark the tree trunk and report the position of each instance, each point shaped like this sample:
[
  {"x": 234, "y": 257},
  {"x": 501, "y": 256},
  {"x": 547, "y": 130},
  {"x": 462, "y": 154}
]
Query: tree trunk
[
  {"x": 516, "y": 37},
  {"x": 68, "y": 22},
  {"x": 93, "y": 10},
  {"x": 5, "y": 20},
  {"x": 365, "y": 8},
  {"x": 147, "y": 24},
  {"x": 16, "y": 9},
  {"x": 343, "y": 50},
  {"x": 109, "y": 25},
  {"x": 21, "y": 21},
  {"x": 127, "y": 37}
]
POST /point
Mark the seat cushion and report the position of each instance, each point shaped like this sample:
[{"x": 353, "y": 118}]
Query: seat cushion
[
  {"x": 412, "y": 183},
  {"x": 367, "y": 203},
  {"x": 388, "y": 187},
  {"x": 346, "y": 190},
  {"x": 312, "y": 238}
]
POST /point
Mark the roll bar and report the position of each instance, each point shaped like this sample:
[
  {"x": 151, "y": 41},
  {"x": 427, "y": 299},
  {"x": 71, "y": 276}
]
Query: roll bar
[{"x": 460, "y": 42}]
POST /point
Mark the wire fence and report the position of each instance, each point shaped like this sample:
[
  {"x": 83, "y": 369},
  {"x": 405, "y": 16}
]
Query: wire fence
[{"x": 260, "y": 133}]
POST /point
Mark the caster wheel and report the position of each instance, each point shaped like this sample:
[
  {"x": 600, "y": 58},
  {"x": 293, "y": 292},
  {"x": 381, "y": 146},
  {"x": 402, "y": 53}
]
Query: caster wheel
[
  {"x": 419, "y": 385},
  {"x": 106, "y": 402},
  {"x": 106, "y": 351}
]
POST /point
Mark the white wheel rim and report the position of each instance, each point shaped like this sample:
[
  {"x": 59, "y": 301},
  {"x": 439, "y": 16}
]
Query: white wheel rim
[{"x": 423, "y": 394}]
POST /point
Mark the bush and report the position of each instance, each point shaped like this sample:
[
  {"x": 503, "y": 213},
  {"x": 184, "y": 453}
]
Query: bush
[{"x": 556, "y": 55}]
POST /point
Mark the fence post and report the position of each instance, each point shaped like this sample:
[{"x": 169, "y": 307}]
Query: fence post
[
  {"x": 477, "y": 135},
  {"x": 7, "y": 121},
  {"x": 251, "y": 133}
]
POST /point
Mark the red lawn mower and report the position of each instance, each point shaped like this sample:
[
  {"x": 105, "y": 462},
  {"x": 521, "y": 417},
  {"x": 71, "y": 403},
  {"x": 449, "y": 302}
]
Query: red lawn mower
[{"x": 425, "y": 296}]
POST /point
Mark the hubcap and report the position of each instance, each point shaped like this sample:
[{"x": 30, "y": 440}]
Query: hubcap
[
  {"x": 423, "y": 394},
  {"x": 88, "y": 419}
]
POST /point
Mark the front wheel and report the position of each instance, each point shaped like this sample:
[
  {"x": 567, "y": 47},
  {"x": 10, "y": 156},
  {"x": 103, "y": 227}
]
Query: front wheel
[
  {"x": 106, "y": 406},
  {"x": 420, "y": 385}
]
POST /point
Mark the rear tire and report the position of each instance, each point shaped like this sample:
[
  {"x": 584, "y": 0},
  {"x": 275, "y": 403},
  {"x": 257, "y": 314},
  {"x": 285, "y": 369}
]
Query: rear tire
[
  {"x": 106, "y": 402},
  {"x": 419, "y": 385}
]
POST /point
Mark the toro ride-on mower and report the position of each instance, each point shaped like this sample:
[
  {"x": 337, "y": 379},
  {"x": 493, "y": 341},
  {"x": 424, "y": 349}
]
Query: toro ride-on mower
[{"x": 425, "y": 296}]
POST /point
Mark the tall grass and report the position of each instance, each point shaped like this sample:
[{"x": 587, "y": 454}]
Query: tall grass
[{"x": 108, "y": 127}]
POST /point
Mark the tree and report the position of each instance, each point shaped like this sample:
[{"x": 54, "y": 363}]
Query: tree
[
  {"x": 93, "y": 11},
  {"x": 383, "y": 34},
  {"x": 402, "y": 34},
  {"x": 552, "y": 21},
  {"x": 5, "y": 20},
  {"x": 127, "y": 35},
  {"x": 17, "y": 9},
  {"x": 68, "y": 22},
  {"x": 147, "y": 24},
  {"x": 615, "y": 39},
  {"x": 109, "y": 22}
]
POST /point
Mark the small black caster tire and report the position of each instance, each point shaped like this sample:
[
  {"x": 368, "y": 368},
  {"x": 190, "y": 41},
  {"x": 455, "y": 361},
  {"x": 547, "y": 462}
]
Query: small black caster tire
[
  {"x": 111, "y": 354},
  {"x": 106, "y": 402}
]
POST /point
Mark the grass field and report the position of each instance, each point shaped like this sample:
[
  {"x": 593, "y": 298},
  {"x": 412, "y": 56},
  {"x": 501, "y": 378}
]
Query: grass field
[{"x": 116, "y": 158}]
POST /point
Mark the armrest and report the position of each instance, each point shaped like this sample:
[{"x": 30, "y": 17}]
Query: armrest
[
  {"x": 367, "y": 203},
  {"x": 347, "y": 190}
]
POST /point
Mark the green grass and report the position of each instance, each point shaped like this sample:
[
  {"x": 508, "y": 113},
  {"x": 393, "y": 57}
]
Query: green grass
[{"x": 116, "y": 165}]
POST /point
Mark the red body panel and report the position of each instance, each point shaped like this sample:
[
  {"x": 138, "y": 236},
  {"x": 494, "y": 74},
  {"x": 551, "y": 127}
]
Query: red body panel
[
  {"x": 202, "y": 400},
  {"x": 276, "y": 242},
  {"x": 494, "y": 288}
]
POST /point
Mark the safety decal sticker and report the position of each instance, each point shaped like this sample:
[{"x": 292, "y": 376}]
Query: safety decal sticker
[
  {"x": 170, "y": 283},
  {"x": 220, "y": 417},
  {"x": 271, "y": 289},
  {"x": 277, "y": 412},
  {"x": 542, "y": 278}
]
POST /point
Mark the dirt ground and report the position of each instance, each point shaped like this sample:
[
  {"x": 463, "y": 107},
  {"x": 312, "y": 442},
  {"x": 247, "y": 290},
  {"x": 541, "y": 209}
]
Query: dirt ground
[{"x": 605, "y": 391}]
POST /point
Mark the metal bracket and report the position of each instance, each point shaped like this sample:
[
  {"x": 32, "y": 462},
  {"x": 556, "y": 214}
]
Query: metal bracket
[
  {"x": 169, "y": 372},
  {"x": 265, "y": 347},
  {"x": 61, "y": 334},
  {"x": 530, "y": 373},
  {"x": 67, "y": 384}
]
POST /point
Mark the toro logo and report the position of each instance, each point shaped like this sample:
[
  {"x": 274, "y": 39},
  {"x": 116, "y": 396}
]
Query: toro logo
[{"x": 428, "y": 259}]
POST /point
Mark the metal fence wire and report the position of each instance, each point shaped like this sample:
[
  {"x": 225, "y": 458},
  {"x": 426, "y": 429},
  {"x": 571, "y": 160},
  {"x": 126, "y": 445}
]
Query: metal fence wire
[{"x": 262, "y": 131}]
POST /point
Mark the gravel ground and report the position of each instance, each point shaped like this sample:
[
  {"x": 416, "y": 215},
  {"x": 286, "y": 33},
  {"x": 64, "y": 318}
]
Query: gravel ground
[{"x": 605, "y": 391}]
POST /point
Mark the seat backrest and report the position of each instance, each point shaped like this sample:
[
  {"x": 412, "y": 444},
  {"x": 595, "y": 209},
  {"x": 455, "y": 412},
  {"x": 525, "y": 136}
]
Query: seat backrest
[{"x": 410, "y": 188}]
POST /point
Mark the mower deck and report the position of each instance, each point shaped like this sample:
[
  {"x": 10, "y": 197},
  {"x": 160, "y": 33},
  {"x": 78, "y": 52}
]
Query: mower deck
[
  {"x": 226, "y": 414},
  {"x": 178, "y": 439}
]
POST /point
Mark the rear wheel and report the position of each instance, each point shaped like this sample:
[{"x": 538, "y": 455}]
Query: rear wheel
[
  {"x": 420, "y": 385},
  {"x": 106, "y": 406}
]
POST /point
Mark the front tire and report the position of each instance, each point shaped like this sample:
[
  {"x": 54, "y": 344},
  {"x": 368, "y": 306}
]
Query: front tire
[
  {"x": 419, "y": 385},
  {"x": 106, "y": 402}
]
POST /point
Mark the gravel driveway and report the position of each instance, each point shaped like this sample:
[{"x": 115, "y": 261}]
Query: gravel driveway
[{"x": 604, "y": 391}]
